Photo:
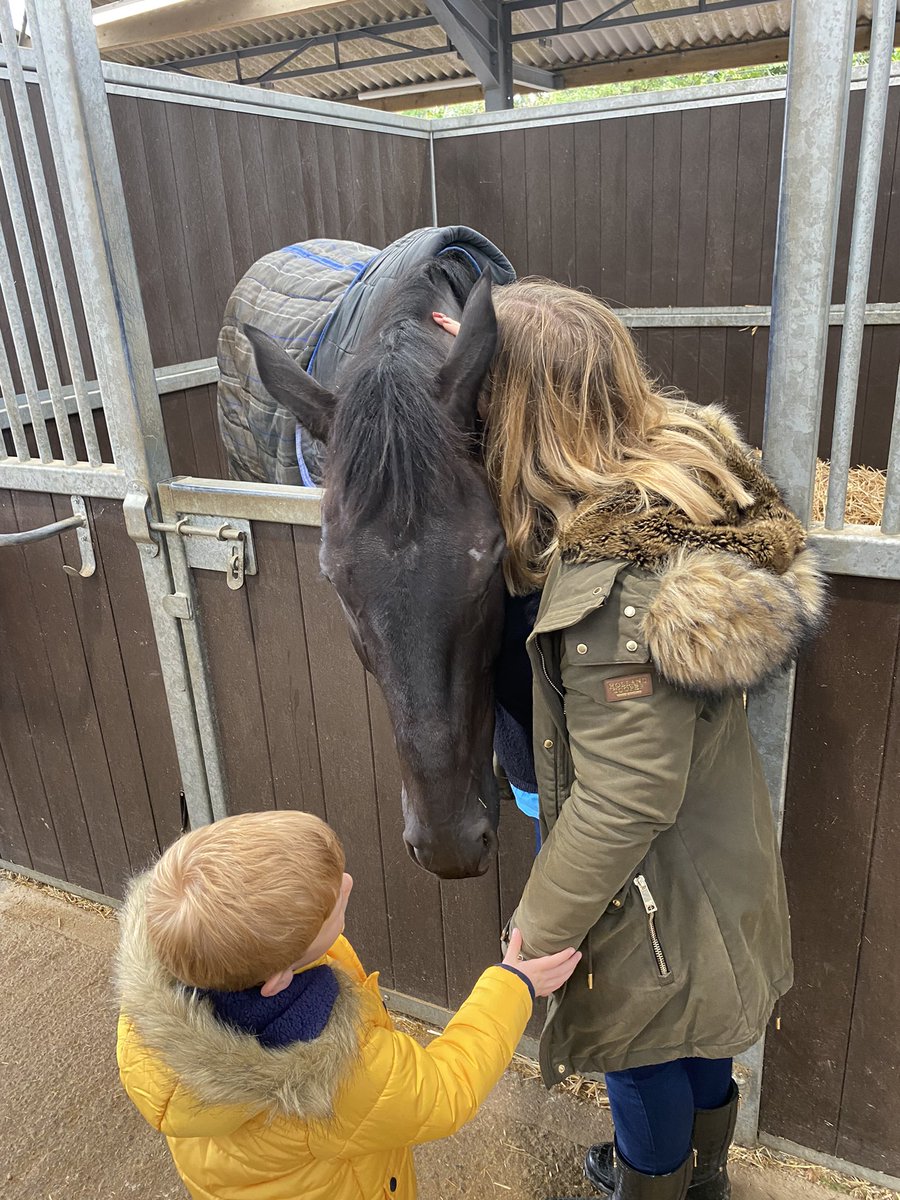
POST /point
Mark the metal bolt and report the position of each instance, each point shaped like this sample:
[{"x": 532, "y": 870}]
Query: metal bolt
[
  {"x": 548, "y": 743},
  {"x": 632, "y": 646},
  {"x": 581, "y": 648},
  {"x": 630, "y": 610}
]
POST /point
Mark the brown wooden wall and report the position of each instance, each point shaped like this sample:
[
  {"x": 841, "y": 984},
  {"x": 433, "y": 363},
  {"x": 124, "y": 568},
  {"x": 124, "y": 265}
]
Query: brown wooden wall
[
  {"x": 209, "y": 191},
  {"x": 832, "y": 1070},
  {"x": 89, "y": 783},
  {"x": 678, "y": 208}
]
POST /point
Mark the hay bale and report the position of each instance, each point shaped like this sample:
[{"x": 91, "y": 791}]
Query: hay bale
[{"x": 865, "y": 494}]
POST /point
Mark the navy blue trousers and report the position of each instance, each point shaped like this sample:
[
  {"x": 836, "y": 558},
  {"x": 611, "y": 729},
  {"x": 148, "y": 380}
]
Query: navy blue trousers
[{"x": 653, "y": 1109}]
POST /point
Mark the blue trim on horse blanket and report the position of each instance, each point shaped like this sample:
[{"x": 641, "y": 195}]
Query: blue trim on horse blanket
[
  {"x": 290, "y": 294},
  {"x": 310, "y": 297}
]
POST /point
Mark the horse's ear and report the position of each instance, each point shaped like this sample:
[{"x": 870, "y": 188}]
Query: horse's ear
[
  {"x": 463, "y": 373},
  {"x": 290, "y": 385}
]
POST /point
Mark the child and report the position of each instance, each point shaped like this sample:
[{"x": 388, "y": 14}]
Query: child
[{"x": 252, "y": 1038}]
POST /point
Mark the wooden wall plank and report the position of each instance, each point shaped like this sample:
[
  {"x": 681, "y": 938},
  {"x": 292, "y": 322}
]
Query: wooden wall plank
[
  {"x": 222, "y": 270},
  {"x": 587, "y": 189},
  {"x": 563, "y": 248},
  {"x": 282, "y": 663},
  {"x": 515, "y": 198},
  {"x": 869, "y": 1126},
  {"x": 840, "y": 720},
  {"x": 237, "y": 205},
  {"x": 613, "y": 208},
  {"x": 119, "y": 560},
  {"x": 26, "y": 657},
  {"x": 537, "y": 191},
  {"x": 638, "y": 210},
  {"x": 413, "y": 896},
  {"x": 665, "y": 216},
  {"x": 345, "y": 750},
  {"x": 227, "y": 631},
  {"x": 105, "y": 681},
  {"x": 74, "y": 687},
  {"x": 13, "y": 843}
]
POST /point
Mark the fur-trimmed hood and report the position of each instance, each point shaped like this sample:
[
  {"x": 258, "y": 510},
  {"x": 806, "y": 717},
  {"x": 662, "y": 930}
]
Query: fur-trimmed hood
[
  {"x": 736, "y": 599},
  {"x": 212, "y": 1065}
]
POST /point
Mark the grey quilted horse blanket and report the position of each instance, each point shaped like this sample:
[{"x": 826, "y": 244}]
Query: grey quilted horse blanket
[{"x": 310, "y": 297}]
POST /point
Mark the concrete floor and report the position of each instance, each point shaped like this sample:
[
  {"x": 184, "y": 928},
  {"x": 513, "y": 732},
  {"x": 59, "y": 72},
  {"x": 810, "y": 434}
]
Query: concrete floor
[{"x": 67, "y": 1131}]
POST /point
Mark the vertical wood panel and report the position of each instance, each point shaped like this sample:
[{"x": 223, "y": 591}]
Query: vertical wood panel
[
  {"x": 834, "y": 773},
  {"x": 587, "y": 186},
  {"x": 537, "y": 191},
  {"x": 345, "y": 750},
  {"x": 638, "y": 210},
  {"x": 562, "y": 205},
  {"x": 282, "y": 663},
  {"x": 869, "y": 1127},
  {"x": 130, "y": 610},
  {"x": 413, "y": 896},
  {"x": 613, "y": 208}
]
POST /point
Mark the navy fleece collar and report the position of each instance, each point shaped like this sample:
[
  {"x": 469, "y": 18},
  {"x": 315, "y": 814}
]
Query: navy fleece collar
[{"x": 298, "y": 1014}]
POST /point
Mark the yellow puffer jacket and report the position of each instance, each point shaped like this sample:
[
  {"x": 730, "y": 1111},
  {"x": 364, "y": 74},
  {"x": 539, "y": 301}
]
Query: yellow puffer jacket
[{"x": 328, "y": 1119}]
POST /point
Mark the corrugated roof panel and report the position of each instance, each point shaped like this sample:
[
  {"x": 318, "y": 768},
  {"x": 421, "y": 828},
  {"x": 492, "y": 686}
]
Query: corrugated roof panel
[{"x": 552, "y": 51}]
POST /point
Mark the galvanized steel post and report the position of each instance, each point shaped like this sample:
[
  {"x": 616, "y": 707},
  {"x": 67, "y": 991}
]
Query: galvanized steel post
[
  {"x": 818, "y": 93},
  {"x": 85, "y": 156},
  {"x": 884, "y": 14}
]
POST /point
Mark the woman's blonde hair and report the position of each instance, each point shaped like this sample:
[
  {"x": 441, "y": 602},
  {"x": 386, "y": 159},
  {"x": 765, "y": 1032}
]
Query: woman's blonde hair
[
  {"x": 231, "y": 904},
  {"x": 572, "y": 415}
]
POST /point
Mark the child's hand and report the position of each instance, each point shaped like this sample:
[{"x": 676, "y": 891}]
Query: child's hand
[
  {"x": 446, "y": 323},
  {"x": 546, "y": 973}
]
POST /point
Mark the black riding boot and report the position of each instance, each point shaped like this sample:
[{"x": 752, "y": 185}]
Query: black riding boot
[
  {"x": 711, "y": 1139},
  {"x": 628, "y": 1184},
  {"x": 713, "y": 1133}
]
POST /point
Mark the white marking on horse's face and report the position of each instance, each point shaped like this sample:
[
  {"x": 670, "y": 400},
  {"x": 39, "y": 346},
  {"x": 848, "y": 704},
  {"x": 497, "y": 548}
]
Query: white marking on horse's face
[{"x": 477, "y": 554}]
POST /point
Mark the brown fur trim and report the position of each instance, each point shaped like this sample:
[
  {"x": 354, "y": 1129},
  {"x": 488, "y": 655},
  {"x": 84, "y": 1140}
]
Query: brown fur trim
[
  {"x": 719, "y": 624},
  {"x": 737, "y": 598},
  {"x": 220, "y": 1065}
]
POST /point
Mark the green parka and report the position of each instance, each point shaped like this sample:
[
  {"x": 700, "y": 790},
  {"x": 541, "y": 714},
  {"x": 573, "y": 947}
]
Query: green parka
[{"x": 660, "y": 857}]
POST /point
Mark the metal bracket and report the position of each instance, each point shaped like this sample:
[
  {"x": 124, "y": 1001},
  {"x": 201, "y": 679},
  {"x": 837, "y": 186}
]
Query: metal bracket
[
  {"x": 85, "y": 545},
  {"x": 78, "y": 520},
  {"x": 178, "y": 605},
  {"x": 137, "y": 522}
]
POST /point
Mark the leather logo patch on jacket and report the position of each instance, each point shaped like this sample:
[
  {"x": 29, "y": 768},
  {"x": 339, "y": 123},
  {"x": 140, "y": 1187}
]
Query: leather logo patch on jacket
[{"x": 628, "y": 687}]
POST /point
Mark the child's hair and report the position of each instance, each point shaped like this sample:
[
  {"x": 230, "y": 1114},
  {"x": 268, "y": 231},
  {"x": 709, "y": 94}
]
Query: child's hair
[
  {"x": 231, "y": 904},
  {"x": 572, "y": 414}
]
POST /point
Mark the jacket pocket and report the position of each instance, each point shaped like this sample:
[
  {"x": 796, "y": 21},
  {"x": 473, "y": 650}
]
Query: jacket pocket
[{"x": 651, "y": 908}]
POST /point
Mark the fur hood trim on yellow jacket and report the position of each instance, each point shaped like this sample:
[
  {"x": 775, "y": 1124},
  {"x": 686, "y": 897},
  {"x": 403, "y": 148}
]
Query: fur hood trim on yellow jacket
[
  {"x": 223, "y": 1066},
  {"x": 737, "y": 599}
]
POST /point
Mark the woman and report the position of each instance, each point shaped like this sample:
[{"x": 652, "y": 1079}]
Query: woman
[{"x": 673, "y": 579}]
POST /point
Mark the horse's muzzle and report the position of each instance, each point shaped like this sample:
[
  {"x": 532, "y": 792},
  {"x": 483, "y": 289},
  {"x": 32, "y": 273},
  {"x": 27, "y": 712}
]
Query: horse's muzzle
[{"x": 463, "y": 853}]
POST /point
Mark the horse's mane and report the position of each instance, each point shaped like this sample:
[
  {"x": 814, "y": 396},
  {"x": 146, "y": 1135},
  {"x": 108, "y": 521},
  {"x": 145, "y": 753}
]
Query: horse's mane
[{"x": 391, "y": 446}]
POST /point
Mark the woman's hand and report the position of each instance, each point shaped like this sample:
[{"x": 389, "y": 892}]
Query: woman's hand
[
  {"x": 547, "y": 973},
  {"x": 446, "y": 323}
]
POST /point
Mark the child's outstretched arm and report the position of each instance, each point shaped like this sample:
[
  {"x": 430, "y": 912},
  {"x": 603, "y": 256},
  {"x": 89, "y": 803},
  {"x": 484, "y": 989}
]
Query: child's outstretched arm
[{"x": 404, "y": 1094}]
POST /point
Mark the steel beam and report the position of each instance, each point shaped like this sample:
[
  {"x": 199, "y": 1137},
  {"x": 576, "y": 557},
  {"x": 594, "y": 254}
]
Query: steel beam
[{"x": 480, "y": 31}]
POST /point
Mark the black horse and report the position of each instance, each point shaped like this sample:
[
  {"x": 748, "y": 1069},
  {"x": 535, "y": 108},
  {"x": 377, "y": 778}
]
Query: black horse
[{"x": 412, "y": 543}]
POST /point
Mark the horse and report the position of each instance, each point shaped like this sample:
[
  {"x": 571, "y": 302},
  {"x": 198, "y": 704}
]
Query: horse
[{"x": 412, "y": 543}]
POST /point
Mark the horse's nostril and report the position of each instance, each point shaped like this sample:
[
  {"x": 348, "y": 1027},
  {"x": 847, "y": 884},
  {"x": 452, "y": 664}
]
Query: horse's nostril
[{"x": 485, "y": 840}]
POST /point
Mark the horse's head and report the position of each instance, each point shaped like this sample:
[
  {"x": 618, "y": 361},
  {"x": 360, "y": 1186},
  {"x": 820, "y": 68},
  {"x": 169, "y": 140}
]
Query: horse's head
[{"x": 412, "y": 544}]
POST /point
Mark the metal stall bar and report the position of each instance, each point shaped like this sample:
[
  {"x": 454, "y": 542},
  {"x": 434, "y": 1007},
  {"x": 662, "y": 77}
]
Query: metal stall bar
[
  {"x": 20, "y": 341},
  {"x": 85, "y": 155},
  {"x": 28, "y": 263},
  {"x": 818, "y": 94},
  {"x": 869, "y": 170},
  {"x": 48, "y": 233},
  {"x": 890, "y": 514}
]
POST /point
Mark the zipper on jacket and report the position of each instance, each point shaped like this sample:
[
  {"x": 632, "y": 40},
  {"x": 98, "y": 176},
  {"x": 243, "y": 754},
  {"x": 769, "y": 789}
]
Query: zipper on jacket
[
  {"x": 651, "y": 908},
  {"x": 547, "y": 675}
]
